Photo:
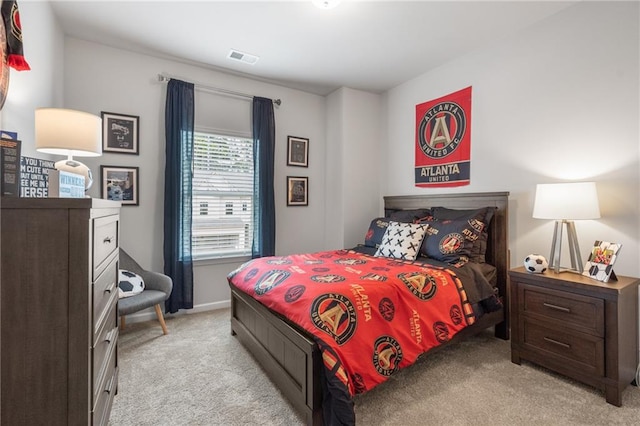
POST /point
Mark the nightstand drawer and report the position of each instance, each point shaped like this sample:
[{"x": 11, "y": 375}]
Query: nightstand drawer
[
  {"x": 580, "y": 351},
  {"x": 575, "y": 311}
]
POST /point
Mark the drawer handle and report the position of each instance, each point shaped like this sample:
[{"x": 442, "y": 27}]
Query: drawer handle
[
  {"x": 109, "y": 337},
  {"x": 555, "y": 342},
  {"x": 107, "y": 240},
  {"x": 109, "y": 386},
  {"x": 557, "y": 308}
]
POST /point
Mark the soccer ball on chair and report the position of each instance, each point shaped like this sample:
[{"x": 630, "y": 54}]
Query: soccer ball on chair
[{"x": 535, "y": 264}]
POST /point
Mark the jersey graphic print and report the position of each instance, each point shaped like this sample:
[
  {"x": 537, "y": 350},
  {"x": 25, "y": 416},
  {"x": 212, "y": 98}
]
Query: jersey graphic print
[{"x": 443, "y": 140}]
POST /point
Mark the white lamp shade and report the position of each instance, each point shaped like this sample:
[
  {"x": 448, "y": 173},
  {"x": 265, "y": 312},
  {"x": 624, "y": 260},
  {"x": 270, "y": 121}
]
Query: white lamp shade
[
  {"x": 68, "y": 132},
  {"x": 570, "y": 201},
  {"x": 326, "y": 4}
]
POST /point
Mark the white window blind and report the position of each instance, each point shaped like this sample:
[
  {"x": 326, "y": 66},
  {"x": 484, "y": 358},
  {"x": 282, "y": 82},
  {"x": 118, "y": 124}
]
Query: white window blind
[{"x": 222, "y": 196}]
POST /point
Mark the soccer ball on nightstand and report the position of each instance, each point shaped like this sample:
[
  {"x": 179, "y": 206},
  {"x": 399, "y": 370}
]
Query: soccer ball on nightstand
[{"x": 535, "y": 264}]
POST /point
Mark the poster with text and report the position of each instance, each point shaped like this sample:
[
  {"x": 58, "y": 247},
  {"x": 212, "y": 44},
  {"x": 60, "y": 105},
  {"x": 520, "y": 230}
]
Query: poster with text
[{"x": 443, "y": 141}]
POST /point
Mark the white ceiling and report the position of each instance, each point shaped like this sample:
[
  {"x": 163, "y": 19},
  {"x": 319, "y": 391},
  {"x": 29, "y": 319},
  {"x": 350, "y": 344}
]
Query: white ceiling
[{"x": 365, "y": 45}]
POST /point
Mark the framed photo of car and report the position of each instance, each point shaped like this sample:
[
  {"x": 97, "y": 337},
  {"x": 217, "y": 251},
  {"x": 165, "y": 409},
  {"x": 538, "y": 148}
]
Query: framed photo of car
[
  {"x": 119, "y": 184},
  {"x": 120, "y": 133}
]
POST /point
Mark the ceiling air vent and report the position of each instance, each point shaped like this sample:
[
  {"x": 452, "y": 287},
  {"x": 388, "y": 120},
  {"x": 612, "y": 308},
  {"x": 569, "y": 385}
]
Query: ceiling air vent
[{"x": 247, "y": 58}]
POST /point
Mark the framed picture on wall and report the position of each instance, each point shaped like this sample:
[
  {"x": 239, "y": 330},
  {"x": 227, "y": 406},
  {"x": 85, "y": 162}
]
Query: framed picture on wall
[
  {"x": 119, "y": 184},
  {"x": 297, "y": 151},
  {"x": 297, "y": 191},
  {"x": 120, "y": 133}
]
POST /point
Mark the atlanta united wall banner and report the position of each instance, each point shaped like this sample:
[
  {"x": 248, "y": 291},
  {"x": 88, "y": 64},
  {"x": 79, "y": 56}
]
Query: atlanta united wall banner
[{"x": 443, "y": 140}]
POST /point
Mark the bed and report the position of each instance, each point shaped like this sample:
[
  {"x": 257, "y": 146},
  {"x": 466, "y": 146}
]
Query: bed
[{"x": 292, "y": 357}]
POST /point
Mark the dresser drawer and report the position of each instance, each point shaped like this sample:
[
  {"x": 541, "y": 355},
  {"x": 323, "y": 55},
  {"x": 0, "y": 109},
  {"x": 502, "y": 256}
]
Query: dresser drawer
[
  {"x": 583, "y": 352},
  {"x": 582, "y": 313},
  {"x": 105, "y": 241},
  {"x": 105, "y": 292},
  {"x": 102, "y": 381},
  {"x": 102, "y": 407},
  {"x": 104, "y": 343}
]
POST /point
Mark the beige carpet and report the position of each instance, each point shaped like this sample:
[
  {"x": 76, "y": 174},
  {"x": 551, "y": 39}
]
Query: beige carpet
[{"x": 200, "y": 375}]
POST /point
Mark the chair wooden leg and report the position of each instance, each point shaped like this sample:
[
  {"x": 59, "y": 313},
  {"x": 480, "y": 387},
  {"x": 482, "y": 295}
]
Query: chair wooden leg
[
  {"x": 122, "y": 322},
  {"x": 161, "y": 319}
]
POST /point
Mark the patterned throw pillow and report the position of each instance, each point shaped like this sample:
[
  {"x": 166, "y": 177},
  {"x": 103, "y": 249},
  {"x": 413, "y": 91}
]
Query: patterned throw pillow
[
  {"x": 402, "y": 240},
  {"x": 129, "y": 283},
  {"x": 483, "y": 215},
  {"x": 376, "y": 231},
  {"x": 450, "y": 241}
]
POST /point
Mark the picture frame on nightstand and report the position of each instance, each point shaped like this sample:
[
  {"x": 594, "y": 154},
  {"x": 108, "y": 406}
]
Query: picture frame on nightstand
[{"x": 599, "y": 265}]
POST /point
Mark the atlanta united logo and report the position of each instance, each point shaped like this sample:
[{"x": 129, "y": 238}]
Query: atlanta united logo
[
  {"x": 328, "y": 278},
  {"x": 456, "y": 314},
  {"x": 270, "y": 280},
  {"x": 335, "y": 315},
  {"x": 441, "y": 129},
  {"x": 387, "y": 355},
  {"x": 387, "y": 309},
  {"x": 350, "y": 261},
  {"x": 281, "y": 261},
  {"x": 441, "y": 331},
  {"x": 251, "y": 274},
  {"x": 451, "y": 243},
  {"x": 421, "y": 285},
  {"x": 294, "y": 293}
]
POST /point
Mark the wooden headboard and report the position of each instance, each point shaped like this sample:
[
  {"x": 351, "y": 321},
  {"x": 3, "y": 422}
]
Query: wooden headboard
[{"x": 498, "y": 242}]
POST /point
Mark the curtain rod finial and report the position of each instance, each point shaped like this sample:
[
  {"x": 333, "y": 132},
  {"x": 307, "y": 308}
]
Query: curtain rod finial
[{"x": 277, "y": 102}]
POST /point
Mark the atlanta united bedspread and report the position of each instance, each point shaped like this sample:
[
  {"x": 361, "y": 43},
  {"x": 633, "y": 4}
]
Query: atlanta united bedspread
[{"x": 371, "y": 316}]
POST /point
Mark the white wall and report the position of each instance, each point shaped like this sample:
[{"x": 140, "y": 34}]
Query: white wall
[
  {"x": 353, "y": 157},
  {"x": 43, "y": 44},
  {"x": 100, "y": 78},
  {"x": 557, "y": 102}
]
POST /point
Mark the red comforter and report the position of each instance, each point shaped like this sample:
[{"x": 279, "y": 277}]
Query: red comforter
[{"x": 371, "y": 315}]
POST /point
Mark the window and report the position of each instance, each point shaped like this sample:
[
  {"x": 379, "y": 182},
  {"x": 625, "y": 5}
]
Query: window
[{"x": 222, "y": 179}]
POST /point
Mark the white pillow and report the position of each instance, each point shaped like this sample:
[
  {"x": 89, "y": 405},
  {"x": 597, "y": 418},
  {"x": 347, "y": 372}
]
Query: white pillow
[
  {"x": 129, "y": 283},
  {"x": 402, "y": 240}
]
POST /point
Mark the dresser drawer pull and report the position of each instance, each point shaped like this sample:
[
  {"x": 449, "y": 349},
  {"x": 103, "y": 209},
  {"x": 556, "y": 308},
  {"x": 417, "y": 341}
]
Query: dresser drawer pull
[
  {"x": 557, "y": 308},
  {"x": 109, "y": 337},
  {"x": 107, "y": 240},
  {"x": 110, "y": 385},
  {"x": 555, "y": 342}
]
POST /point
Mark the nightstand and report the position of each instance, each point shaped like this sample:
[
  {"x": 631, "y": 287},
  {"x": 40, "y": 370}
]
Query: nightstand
[{"x": 577, "y": 326}]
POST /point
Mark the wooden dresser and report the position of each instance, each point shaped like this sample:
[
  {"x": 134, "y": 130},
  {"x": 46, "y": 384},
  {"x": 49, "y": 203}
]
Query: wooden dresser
[
  {"x": 59, "y": 310},
  {"x": 577, "y": 326}
]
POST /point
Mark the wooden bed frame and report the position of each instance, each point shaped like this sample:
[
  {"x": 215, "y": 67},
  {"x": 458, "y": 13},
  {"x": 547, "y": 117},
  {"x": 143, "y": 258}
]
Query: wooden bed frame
[{"x": 291, "y": 357}]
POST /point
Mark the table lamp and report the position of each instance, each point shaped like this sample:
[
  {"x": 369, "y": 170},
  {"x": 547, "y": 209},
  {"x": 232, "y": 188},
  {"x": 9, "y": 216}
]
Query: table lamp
[
  {"x": 71, "y": 133},
  {"x": 566, "y": 202}
]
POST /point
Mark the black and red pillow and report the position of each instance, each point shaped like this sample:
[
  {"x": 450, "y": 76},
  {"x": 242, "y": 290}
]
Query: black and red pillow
[
  {"x": 449, "y": 241},
  {"x": 477, "y": 219},
  {"x": 376, "y": 231}
]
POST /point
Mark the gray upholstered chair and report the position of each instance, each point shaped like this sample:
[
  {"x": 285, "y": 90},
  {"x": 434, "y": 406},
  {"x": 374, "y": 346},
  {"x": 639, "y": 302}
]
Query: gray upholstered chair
[{"x": 157, "y": 288}]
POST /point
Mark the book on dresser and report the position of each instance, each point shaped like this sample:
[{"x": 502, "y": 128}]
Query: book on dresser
[{"x": 59, "y": 325}]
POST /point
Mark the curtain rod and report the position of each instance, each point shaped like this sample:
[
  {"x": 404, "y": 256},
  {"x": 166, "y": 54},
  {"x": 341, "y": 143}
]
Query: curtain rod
[{"x": 165, "y": 78}]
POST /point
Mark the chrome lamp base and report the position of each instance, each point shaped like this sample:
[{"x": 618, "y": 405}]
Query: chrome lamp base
[{"x": 556, "y": 248}]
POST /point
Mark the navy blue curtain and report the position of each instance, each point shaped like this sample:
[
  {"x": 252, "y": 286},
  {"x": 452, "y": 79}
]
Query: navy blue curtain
[
  {"x": 264, "y": 209},
  {"x": 179, "y": 123}
]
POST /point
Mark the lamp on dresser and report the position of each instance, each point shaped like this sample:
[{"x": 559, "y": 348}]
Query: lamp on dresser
[
  {"x": 564, "y": 203},
  {"x": 72, "y": 133}
]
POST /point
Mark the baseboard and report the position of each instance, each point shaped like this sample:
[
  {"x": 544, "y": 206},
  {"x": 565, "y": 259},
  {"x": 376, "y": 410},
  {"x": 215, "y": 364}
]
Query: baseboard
[{"x": 150, "y": 314}]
